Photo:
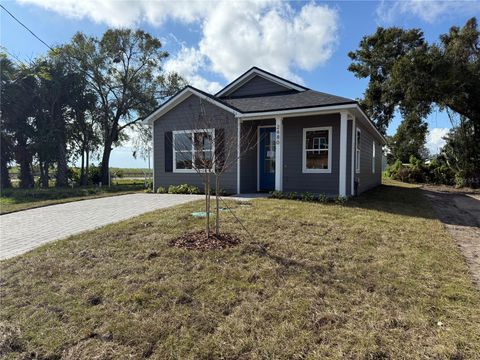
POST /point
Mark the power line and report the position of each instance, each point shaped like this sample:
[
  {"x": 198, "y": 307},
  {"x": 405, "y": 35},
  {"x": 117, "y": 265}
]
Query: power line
[
  {"x": 12, "y": 55},
  {"x": 26, "y": 27}
]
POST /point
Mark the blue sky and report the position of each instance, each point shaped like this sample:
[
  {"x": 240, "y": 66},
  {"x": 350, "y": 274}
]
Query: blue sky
[{"x": 213, "y": 42}]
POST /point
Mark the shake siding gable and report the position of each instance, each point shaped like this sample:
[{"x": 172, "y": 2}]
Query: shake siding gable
[
  {"x": 185, "y": 117},
  {"x": 257, "y": 86}
]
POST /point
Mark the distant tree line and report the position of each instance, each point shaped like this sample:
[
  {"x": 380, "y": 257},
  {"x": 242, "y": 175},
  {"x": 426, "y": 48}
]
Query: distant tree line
[
  {"x": 78, "y": 100},
  {"x": 410, "y": 76}
]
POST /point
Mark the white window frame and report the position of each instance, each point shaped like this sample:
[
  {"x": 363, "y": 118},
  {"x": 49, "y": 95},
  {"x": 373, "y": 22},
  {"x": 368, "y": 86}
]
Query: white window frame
[
  {"x": 358, "y": 154},
  {"x": 305, "y": 170},
  {"x": 192, "y": 132},
  {"x": 374, "y": 155}
]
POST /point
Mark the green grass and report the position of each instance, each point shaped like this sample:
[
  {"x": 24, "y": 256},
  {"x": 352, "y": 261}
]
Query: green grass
[
  {"x": 372, "y": 279},
  {"x": 16, "y": 199}
]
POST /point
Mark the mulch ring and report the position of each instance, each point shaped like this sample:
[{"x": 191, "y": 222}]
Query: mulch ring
[{"x": 199, "y": 241}]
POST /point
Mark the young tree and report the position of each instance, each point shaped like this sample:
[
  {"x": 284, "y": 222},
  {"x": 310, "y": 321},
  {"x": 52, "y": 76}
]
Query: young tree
[
  {"x": 123, "y": 69},
  {"x": 211, "y": 150},
  {"x": 84, "y": 127}
]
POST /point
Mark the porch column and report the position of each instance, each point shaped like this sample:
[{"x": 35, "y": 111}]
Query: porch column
[
  {"x": 279, "y": 153},
  {"x": 239, "y": 125},
  {"x": 342, "y": 173}
]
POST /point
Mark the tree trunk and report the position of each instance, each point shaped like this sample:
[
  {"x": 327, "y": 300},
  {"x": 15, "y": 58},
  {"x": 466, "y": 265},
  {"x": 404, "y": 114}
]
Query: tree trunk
[
  {"x": 4, "y": 174},
  {"x": 24, "y": 160},
  {"x": 105, "y": 161},
  {"x": 44, "y": 174},
  {"x": 207, "y": 205},
  {"x": 62, "y": 169},
  {"x": 87, "y": 165},
  {"x": 82, "y": 167},
  {"x": 217, "y": 204}
]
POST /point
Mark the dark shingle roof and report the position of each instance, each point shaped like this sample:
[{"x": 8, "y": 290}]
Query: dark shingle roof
[{"x": 285, "y": 101}]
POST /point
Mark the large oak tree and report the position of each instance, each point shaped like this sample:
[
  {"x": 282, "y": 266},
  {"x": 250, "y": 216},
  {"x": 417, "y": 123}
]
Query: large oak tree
[
  {"x": 410, "y": 75},
  {"x": 124, "y": 70}
]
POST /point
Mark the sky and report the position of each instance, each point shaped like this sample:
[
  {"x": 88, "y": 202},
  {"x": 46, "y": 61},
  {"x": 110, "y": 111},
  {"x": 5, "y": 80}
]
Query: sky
[{"x": 212, "y": 42}]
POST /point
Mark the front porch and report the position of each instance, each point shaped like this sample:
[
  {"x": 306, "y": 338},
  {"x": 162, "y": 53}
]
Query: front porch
[{"x": 273, "y": 154}]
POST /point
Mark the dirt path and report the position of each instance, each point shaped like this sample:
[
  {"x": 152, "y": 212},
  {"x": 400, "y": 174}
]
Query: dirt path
[{"x": 460, "y": 212}]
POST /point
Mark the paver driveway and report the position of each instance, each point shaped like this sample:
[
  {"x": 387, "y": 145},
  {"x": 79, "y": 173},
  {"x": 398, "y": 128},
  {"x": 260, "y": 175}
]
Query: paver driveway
[{"x": 25, "y": 230}]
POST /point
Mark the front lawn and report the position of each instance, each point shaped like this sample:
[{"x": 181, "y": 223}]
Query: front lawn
[
  {"x": 16, "y": 199},
  {"x": 377, "y": 278}
]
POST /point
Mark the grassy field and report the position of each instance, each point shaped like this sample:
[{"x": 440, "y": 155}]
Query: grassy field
[
  {"x": 376, "y": 278},
  {"x": 16, "y": 199}
]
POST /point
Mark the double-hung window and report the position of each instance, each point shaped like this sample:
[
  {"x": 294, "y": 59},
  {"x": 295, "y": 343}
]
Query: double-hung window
[
  {"x": 358, "y": 144},
  {"x": 317, "y": 154},
  {"x": 193, "y": 150}
]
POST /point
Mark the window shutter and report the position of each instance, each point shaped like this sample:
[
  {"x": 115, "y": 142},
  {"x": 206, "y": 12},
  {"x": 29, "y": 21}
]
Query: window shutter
[
  {"x": 168, "y": 151},
  {"x": 219, "y": 149}
]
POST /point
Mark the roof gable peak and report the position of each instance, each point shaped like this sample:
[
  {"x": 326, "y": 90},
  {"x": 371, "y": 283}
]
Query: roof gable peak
[{"x": 251, "y": 74}]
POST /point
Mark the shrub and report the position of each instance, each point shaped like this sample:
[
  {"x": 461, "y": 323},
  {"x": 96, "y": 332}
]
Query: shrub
[
  {"x": 183, "y": 189},
  {"x": 161, "y": 190},
  {"x": 307, "y": 196},
  {"x": 292, "y": 195},
  {"x": 322, "y": 198},
  {"x": 276, "y": 194},
  {"x": 94, "y": 175},
  {"x": 341, "y": 199}
]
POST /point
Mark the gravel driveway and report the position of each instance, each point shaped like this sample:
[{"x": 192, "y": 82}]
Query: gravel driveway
[
  {"x": 24, "y": 230},
  {"x": 460, "y": 212}
]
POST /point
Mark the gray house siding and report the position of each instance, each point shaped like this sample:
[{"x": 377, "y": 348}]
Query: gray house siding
[
  {"x": 249, "y": 158},
  {"x": 184, "y": 117},
  {"x": 293, "y": 177},
  {"x": 349, "y": 158},
  {"x": 367, "y": 178},
  {"x": 257, "y": 86}
]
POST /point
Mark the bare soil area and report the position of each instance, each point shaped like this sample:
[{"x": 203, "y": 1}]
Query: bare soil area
[
  {"x": 199, "y": 241},
  {"x": 460, "y": 212}
]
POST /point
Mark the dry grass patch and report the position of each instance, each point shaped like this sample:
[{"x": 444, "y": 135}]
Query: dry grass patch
[{"x": 377, "y": 278}]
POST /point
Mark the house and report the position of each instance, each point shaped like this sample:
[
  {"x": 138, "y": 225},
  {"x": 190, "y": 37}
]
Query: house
[{"x": 301, "y": 140}]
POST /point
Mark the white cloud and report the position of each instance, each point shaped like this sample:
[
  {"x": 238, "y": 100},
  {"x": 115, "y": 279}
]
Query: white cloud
[
  {"x": 188, "y": 62},
  {"x": 429, "y": 11},
  {"x": 435, "y": 139},
  {"x": 126, "y": 12},
  {"x": 236, "y": 35}
]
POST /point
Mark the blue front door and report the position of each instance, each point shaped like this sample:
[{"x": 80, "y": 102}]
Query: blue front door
[{"x": 267, "y": 159}]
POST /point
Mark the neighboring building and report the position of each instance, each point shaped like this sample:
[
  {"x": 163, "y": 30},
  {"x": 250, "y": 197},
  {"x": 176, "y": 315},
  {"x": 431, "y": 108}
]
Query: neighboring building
[{"x": 302, "y": 140}]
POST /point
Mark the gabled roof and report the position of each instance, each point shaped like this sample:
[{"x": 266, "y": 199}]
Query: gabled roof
[
  {"x": 286, "y": 101},
  {"x": 255, "y": 71},
  {"x": 183, "y": 94}
]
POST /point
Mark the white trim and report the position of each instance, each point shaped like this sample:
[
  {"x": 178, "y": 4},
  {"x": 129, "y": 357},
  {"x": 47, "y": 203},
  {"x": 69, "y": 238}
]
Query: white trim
[
  {"x": 373, "y": 156},
  {"x": 252, "y": 73},
  {"x": 352, "y": 191},
  {"x": 153, "y": 158},
  {"x": 342, "y": 173},
  {"x": 258, "y": 151},
  {"x": 296, "y": 112},
  {"x": 279, "y": 153},
  {"x": 180, "y": 97},
  {"x": 239, "y": 126},
  {"x": 192, "y": 170},
  {"x": 312, "y": 111},
  {"x": 304, "y": 152},
  {"x": 358, "y": 147}
]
